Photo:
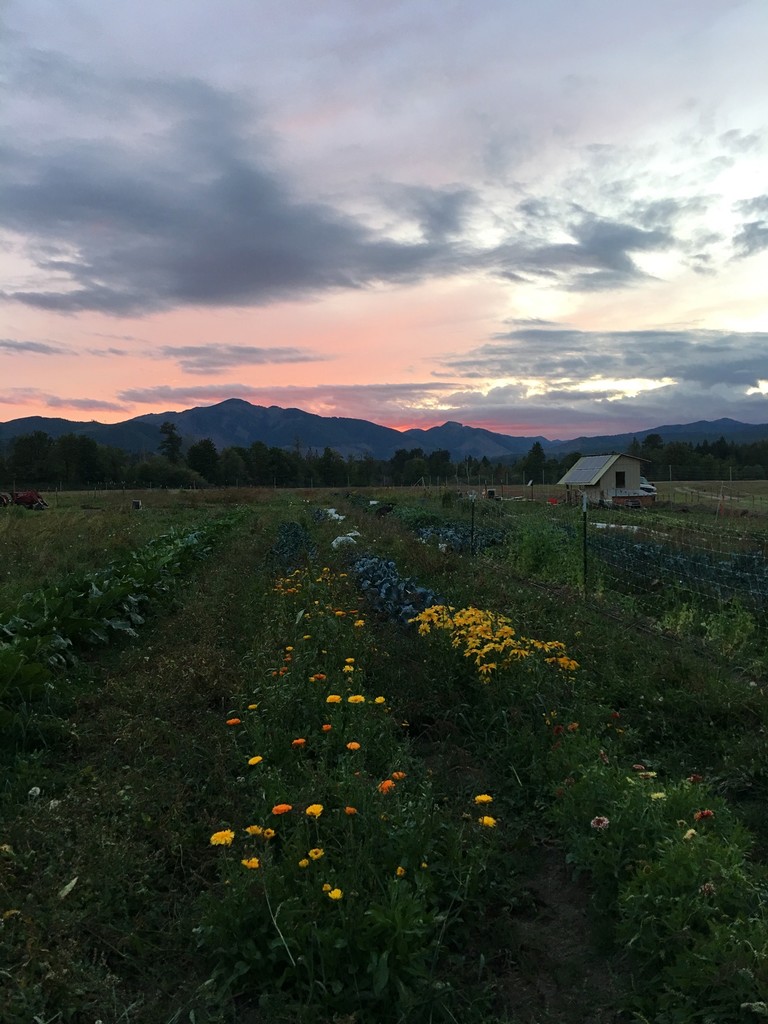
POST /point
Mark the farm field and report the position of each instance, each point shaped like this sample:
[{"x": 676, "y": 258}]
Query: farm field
[{"x": 466, "y": 761}]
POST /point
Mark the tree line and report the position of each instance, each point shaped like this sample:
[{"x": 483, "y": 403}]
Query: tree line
[{"x": 73, "y": 460}]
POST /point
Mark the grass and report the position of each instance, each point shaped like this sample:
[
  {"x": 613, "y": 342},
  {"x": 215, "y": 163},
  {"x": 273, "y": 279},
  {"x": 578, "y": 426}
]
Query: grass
[{"x": 146, "y": 770}]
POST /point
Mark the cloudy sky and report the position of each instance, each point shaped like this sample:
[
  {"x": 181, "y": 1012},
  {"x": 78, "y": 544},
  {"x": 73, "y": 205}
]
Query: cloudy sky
[{"x": 543, "y": 217}]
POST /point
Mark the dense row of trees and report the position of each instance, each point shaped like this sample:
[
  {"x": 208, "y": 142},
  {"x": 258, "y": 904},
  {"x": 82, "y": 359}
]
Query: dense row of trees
[{"x": 76, "y": 461}]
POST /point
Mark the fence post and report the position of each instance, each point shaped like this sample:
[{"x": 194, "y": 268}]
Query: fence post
[{"x": 584, "y": 539}]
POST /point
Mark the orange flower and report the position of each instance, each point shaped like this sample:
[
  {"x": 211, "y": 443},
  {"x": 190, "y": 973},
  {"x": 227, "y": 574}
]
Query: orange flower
[
  {"x": 398, "y": 775},
  {"x": 327, "y": 727},
  {"x": 700, "y": 815},
  {"x": 386, "y": 786},
  {"x": 353, "y": 745},
  {"x": 298, "y": 743},
  {"x": 233, "y": 721},
  {"x": 350, "y": 810},
  {"x": 282, "y": 808}
]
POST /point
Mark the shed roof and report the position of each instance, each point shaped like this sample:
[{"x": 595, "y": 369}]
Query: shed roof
[{"x": 588, "y": 470}]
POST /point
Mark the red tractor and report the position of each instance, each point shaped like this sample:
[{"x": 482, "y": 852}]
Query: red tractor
[{"x": 27, "y": 499}]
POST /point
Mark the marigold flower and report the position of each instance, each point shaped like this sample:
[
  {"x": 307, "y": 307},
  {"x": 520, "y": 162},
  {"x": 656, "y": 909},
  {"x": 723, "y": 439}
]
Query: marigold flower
[
  {"x": 356, "y": 698},
  {"x": 333, "y": 698},
  {"x": 483, "y": 798},
  {"x": 255, "y": 760},
  {"x": 307, "y": 636},
  {"x": 316, "y": 853},
  {"x": 254, "y": 830},
  {"x": 398, "y": 775},
  {"x": 379, "y": 700},
  {"x": 339, "y": 614},
  {"x": 690, "y": 834},
  {"x": 400, "y": 872},
  {"x": 327, "y": 727},
  {"x": 318, "y": 677},
  {"x": 573, "y": 727},
  {"x": 359, "y": 623},
  {"x": 386, "y": 786},
  {"x": 600, "y": 823},
  {"x": 350, "y": 810},
  {"x": 701, "y": 815},
  {"x": 251, "y": 862},
  {"x": 303, "y": 863},
  {"x": 326, "y": 887},
  {"x": 348, "y": 668},
  {"x": 353, "y": 745},
  {"x": 299, "y": 742},
  {"x": 282, "y": 808},
  {"x": 289, "y": 649},
  {"x": 335, "y": 894},
  {"x": 314, "y": 810},
  {"x": 223, "y": 838},
  {"x": 269, "y": 833},
  {"x": 252, "y": 707},
  {"x": 487, "y": 821},
  {"x": 349, "y": 661},
  {"x": 233, "y": 721}
]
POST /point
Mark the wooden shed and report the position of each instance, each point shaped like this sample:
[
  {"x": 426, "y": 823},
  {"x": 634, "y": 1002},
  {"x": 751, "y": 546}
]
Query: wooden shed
[{"x": 607, "y": 480}]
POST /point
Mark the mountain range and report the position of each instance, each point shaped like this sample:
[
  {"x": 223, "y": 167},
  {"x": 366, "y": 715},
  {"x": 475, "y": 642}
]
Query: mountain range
[{"x": 236, "y": 422}]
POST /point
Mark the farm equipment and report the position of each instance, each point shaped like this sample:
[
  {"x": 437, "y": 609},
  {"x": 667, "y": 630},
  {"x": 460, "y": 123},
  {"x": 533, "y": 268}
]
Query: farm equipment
[{"x": 27, "y": 499}]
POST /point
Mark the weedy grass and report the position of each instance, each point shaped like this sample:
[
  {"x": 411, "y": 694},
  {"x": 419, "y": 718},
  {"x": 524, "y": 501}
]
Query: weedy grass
[{"x": 280, "y": 804}]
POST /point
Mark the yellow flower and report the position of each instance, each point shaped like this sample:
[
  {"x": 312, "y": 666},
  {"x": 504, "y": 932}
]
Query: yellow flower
[
  {"x": 269, "y": 833},
  {"x": 289, "y": 648},
  {"x": 326, "y": 887},
  {"x": 335, "y": 894},
  {"x": 658, "y": 796},
  {"x": 254, "y": 830},
  {"x": 690, "y": 834},
  {"x": 349, "y": 661},
  {"x": 252, "y": 707},
  {"x": 316, "y": 853},
  {"x": 348, "y": 668},
  {"x": 223, "y": 838},
  {"x": 356, "y": 698},
  {"x": 251, "y": 862},
  {"x": 487, "y": 821},
  {"x": 255, "y": 760},
  {"x": 483, "y": 798},
  {"x": 315, "y": 810},
  {"x": 359, "y": 623},
  {"x": 334, "y": 698},
  {"x": 379, "y": 700},
  {"x": 303, "y": 863},
  {"x": 400, "y": 872}
]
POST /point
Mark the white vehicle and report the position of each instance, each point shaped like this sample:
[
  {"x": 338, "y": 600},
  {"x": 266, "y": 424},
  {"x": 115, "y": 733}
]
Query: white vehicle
[{"x": 647, "y": 488}]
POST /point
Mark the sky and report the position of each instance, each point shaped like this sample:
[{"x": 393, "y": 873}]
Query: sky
[{"x": 543, "y": 218}]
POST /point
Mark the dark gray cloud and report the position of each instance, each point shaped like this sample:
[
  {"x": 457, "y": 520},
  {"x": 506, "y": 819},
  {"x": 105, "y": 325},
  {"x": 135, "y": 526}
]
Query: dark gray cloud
[
  {"x": 214, "y": 358},
  {"x": 11, "y": 346},
  {"x": 705, "y": 357}
]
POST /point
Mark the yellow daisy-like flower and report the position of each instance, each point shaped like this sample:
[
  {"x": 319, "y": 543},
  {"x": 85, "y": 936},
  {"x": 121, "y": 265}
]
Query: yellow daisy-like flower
[
  {"x": 252, "y": 707},
  {"x": 483, "y": 798},
  {"x": 356, "y": 698},
  {"x": 307, "y": 636},
  {"x": 314, "y": 810},
  {"x": 359, "y": 623},
  {"x": 349, "y": 661},
  {"x": 348, "y": 668},
  {"x": 255, "y": 760},
  {"x": 223, "y": 838},
  {"x": 487, "y": 821},
  {"x": 251, "y": 863},
  {"x": 690, "y": 834},
  {"x": 379, "y": 700},
  {"x": 333, "y": 698},
  {"x": 303, "y": 863},
  {"x": 316, "y": 853},
  {"x": 658, "y": 796},
  {"x": 269, "y": 833},
  {"x": 400, "y": 872},
  {"x": 254, "y": 830},
  {"x": 335, "y": 894},
  {"x": 326, "y": 887}
]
